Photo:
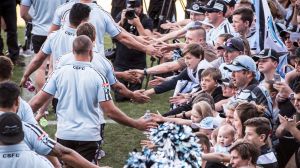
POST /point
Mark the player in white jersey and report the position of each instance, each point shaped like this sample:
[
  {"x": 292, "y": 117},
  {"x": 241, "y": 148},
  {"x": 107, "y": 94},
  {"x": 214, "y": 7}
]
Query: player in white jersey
[
  {"x": 59, "y": 42},
  {"x": 34, "y": 137},
  {"x": 215, "y": 12},
  {"x": 104, "y": 66},
  {"x": 13, "y": 151},
  {"x": 87, "y": 90},
  {"x": 24, "y": 110},
  {"x": 104, "y": 23}
]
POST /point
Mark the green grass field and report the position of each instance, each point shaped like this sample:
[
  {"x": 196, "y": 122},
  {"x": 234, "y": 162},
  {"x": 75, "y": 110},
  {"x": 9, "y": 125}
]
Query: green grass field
[{"x": 119, "y": 140}]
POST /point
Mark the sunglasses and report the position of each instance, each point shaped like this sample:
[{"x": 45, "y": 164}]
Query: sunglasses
[{"x": 236, "y": 63}]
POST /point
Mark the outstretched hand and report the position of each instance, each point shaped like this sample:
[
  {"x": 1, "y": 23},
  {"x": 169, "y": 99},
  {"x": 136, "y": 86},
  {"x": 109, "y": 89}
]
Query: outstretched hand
[{"x": 140, "y": 97}]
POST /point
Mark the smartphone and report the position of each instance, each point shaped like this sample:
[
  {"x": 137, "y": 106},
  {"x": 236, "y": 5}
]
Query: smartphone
[{"x": 277, "y": 78}]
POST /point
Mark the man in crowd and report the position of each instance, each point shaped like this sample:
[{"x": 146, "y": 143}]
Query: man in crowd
[{"x": 215, "y": 12}]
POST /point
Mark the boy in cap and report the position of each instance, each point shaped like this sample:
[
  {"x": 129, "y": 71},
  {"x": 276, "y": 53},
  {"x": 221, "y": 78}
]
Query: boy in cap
[
  {"x": 268, "y": 60},
  {"x": 13, "y": 151},
  {"x": 215, "y": 12}
]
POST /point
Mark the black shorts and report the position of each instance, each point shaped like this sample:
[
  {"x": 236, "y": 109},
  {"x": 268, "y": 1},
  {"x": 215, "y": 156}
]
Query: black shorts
[
  {"x": 37, "y": 42},
  {"x": 87, "y": 149}
]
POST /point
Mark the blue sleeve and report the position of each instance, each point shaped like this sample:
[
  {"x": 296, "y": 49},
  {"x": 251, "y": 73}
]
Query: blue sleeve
[
  {"x": 37, "y": 139},
  {"x": 50, "y": 86},
  {"x": 26, "y": 2},
  {"x": 46, "y": 47},
  {"x": 103, "y": 89},
  {"x": 110, "y": 75},
  {"x": 25, "y": 112},
  {"x": 111, "y": 27},
  {"x": 57, "y": 16}
]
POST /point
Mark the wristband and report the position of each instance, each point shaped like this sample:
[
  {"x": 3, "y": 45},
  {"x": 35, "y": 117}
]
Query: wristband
[{"x": 145, "y": 72}]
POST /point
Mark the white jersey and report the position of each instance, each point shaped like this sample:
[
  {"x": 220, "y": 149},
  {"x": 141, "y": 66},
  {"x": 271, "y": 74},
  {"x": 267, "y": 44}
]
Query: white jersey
[
  {"x": 19, "y": 155},
  {"x": 224, "y": 27},
  {"x": 101, "y": 19},
  {"x": 42, "y": 15},
  {"x": 25, "y": 112},
  {"x": 80, "y": 89},
  {"x": 59, "y": 43},
  {"x": 100, "y": 63}
]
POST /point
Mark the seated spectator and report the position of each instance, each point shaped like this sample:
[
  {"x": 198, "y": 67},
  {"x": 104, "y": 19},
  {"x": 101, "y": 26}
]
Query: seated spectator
[
  {"x": 242, "y": 113},
  {"x": 257, "y": 132},
  {"x": 243, "y": 75},
  {"x": 243, "y": 154}
]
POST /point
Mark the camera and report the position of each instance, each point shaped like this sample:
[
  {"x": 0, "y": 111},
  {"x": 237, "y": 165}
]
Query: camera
[{"x": 130, "y": 11}]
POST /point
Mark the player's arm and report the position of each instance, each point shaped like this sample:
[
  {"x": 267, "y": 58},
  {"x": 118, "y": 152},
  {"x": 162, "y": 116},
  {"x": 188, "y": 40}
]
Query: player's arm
[
  {"x": 173, "y": 34},
  {"x": 136, "y": 96},
  {"x": 35, "y": 63},
  {"x": 24, "y": 13},
  {"x": 39, "y": 99},
  {"x": 130, "y": 42},
  {"x": 116, "y": 114},
  {"x": 71, "y": 157}
]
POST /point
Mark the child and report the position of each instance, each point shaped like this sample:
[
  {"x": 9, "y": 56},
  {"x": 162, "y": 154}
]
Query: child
[
  {"x": 224, "y": 139},
  {"x": 200, "y": 110}
]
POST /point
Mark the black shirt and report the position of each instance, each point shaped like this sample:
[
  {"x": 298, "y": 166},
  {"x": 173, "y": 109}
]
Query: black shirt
[{"x": 129, "y": 58}]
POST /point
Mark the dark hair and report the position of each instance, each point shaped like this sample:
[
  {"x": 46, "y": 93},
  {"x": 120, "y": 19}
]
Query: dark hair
[
  {"x": 246, "y": 150},
  {"x": 195, "y": 49},
  {"x": 6, "y": 68},
  {"x": 203, "y": 139},
  {"x": 86, "y": 29},
  {"x": 78, "y": 13},
  {"x": 226, "y": 36},
  {"x": 82, "y": 44},
  {"x": 297, "y": 88},
  {"x": 214, "y": 73},
  {"x": 246, "y": 14},
  {"x": 9, "y": 93},
  {"x": 248, "y": 110},
  {"x": 262, "y": 125}
]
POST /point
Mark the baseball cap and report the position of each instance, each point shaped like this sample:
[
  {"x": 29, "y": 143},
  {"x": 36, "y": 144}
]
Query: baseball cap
[
  {"x": 233, "y": 44},
  {"x": 11, "y": 131},
  {"x": 196, "y": 7},
  {"x": 267, "y": 53},
  {"x": 207, "y": 123},
  {"x": 242, "y": 62},
  {"x": 215, "y": 6},
  {"x": 230, "y": 3}
]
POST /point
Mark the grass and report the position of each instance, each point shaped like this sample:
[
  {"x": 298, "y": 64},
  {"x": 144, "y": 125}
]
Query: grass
[{"x": 119, "y": 140}]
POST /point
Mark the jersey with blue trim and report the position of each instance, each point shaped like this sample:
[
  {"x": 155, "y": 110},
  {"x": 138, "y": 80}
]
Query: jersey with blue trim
[
  {"x": 101, "y": 19},
  {"x": 80, "y": 89},
  {"x": 43, "y": 14},
  {"x": 19, "y": 155},
  {"x": 25, "y": 112},
  {"x": 37, "y": 139},
  {"x": 59, "y": 43}
]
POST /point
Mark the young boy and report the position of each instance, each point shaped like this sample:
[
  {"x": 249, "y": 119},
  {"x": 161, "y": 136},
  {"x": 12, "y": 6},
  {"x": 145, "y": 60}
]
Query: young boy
[{"x": 257, "y": 132}]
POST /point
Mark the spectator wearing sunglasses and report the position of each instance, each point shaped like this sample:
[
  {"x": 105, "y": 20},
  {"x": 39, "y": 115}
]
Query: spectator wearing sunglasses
[{"x": 244, "y": 70}]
